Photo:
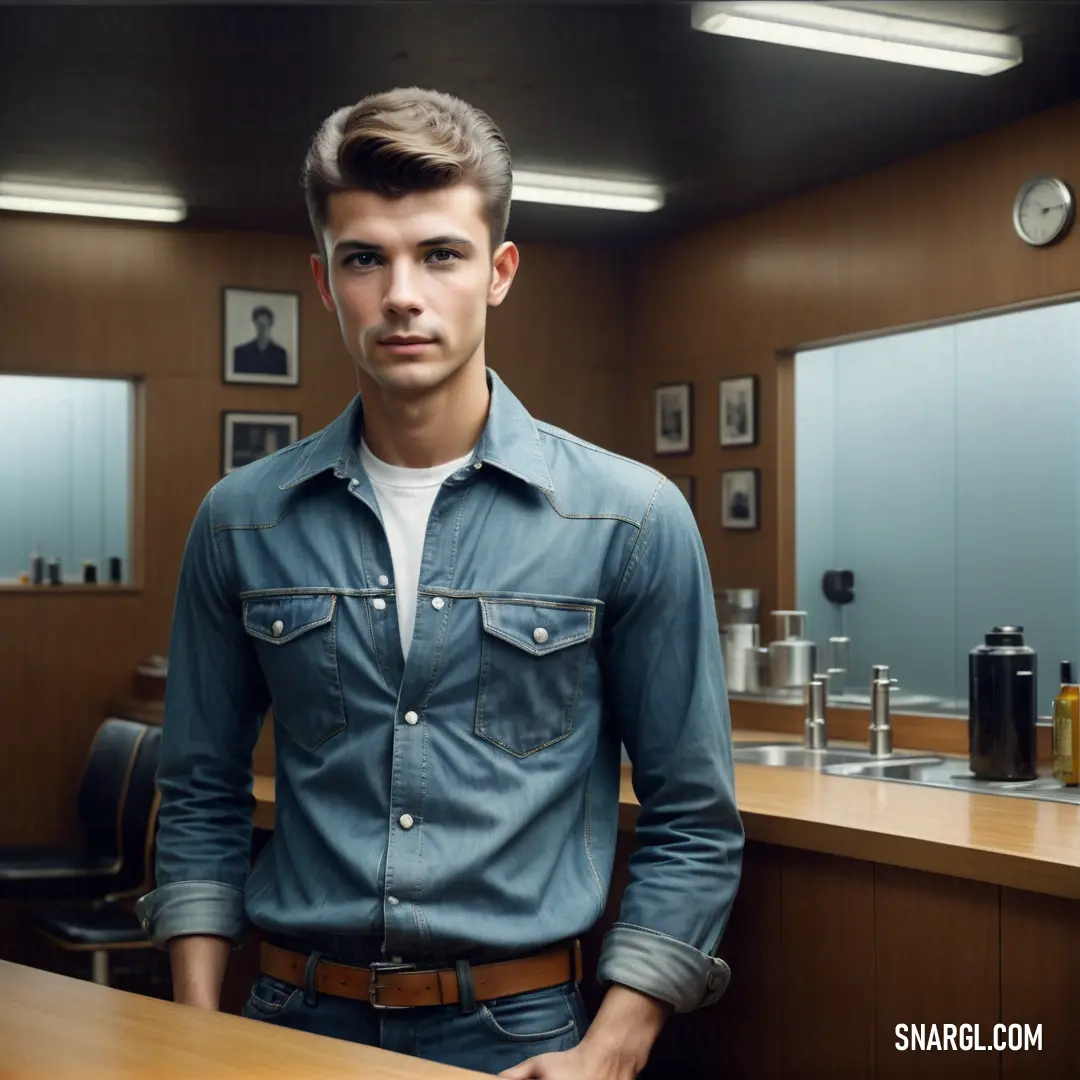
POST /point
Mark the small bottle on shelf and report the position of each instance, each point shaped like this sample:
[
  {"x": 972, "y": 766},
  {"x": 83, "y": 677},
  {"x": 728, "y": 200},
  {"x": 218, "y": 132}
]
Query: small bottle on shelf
[{"x": 1067, "y": 729}]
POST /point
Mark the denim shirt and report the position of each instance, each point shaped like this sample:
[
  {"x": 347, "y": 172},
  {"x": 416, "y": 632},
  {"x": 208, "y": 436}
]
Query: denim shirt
[{"x": 466, "y": 798}]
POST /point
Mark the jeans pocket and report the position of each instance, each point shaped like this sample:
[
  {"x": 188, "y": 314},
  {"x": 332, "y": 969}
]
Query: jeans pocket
[
  {"x": 539, "y": 1016},
  {"x": 271, "y": 999},
  {"x": 577, "y": 1008}
]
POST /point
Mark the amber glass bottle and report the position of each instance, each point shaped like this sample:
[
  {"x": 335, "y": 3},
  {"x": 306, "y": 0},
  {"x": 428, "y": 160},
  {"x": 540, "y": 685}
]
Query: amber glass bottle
[{"x": 1067, "y": 729}]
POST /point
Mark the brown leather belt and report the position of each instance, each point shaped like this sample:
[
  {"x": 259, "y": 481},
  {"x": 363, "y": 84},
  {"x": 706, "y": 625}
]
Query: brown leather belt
[{"x": 401, "y": 986}]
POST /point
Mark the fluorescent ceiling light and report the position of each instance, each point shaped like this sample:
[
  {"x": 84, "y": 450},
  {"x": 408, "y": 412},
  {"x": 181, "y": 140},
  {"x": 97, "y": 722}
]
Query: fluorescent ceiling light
[
  {"x": 829, "y": 28},
  {"x": 89, "y": 202},
  {"x": 581, "y": 191}
]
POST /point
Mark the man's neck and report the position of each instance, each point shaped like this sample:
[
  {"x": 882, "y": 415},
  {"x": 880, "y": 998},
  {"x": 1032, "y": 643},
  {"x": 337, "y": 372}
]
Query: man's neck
[{"x": 420, "y": 431}]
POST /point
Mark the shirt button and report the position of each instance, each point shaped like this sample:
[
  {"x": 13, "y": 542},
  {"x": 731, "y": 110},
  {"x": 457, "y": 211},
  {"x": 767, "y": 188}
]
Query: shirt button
[
  {"x": 392, "y": 901},
  {"x": 354, "y": 484},
  {"x": 378, "y": 603},
  {"x": 540, "y": 635},
  {"x": 478, "y": 464},
  {"x": 277, "y": 628},
  {"x": 384, "y": 580},
  {"x": 411, "y": 717},
  {"x": 406, "y": 821},
  {"x": 438, "y": 603}
]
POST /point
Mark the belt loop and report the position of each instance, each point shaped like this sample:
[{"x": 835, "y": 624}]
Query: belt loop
[
  {"x": 310, "y": 992},
  {"x": 466, "y": 990}
]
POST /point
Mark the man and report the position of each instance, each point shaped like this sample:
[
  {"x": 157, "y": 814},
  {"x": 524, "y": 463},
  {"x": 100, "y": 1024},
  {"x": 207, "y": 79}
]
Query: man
[
  {"x": 457, "y": 614},
  {"x": 261, "y": 355}
]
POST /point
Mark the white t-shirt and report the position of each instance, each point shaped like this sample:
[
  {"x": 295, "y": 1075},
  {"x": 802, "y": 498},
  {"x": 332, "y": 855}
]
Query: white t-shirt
[{"x": 405, "y": 498}]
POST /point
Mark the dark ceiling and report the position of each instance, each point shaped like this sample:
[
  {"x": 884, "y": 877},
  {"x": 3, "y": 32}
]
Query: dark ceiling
[{"x": 219, "y": 101}]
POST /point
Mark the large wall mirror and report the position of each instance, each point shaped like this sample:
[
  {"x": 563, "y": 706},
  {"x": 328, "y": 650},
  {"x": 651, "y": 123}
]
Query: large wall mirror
[
  {"x": 942, "y": 467},
  {"x": 67, "y": 457}
]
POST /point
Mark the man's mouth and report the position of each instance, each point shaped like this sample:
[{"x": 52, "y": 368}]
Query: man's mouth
[{"x": 406, "y": 345}]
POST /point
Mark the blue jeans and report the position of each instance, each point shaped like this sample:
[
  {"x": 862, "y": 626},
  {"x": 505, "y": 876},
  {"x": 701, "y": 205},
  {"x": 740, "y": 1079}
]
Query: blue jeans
[{"x": 499, "y": 1034}]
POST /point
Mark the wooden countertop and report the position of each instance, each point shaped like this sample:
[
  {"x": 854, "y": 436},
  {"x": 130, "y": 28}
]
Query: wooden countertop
[
  {"x": 56, "y": 1028},
  {"x": 1022, "y": 843}
]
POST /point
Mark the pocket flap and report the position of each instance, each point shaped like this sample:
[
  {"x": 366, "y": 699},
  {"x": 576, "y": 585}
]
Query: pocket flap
[
  {"x": 278, "y": 619},
  {"x": 539, "y": 627}
]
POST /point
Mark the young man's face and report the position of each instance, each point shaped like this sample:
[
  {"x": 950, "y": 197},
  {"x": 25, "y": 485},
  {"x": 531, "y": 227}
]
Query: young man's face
[{"x": 418, "y": 267}]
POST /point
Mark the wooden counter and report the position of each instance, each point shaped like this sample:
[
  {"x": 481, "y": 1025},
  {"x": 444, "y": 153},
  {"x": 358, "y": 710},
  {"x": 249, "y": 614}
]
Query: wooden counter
[
  {"x": 1022, "y": 843},
  {"x": 56, "y": 1028}
]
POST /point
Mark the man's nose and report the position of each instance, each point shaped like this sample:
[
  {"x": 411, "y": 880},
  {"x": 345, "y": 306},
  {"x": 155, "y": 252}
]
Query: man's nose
[{"x": 402, "y": 291}]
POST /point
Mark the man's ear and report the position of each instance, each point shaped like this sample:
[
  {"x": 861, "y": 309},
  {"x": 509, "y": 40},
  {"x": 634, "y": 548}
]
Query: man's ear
[
  {"x": 322, "y": 279},
  {"x": 504, "y": 264}
]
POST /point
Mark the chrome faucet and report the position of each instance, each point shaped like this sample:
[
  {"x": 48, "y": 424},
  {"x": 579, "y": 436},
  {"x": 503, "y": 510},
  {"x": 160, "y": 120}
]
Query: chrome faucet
[
  {"x": 881, "y": 744},
  {"x": 816, "y": 735}
]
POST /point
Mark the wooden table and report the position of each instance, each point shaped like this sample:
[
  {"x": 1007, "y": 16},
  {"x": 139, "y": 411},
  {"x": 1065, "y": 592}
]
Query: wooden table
[{"x": 56, "y": 1028}]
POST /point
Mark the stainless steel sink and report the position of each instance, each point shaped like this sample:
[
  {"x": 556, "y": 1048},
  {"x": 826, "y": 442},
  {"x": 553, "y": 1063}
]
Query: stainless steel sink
[
  {"x": 917, "y": 770},
  {"x": 954, "y": 774},
  {"x": 797, "y": 755}
]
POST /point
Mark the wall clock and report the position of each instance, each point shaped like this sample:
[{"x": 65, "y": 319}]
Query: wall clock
[{"x": 1043, "y": 211}]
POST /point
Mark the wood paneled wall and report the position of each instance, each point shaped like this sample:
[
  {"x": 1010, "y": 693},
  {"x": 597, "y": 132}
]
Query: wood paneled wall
[
  {"x": 928, "y": 239},
  {"x": 102, "y": 299},
  {"x": 828, "y": 955}
]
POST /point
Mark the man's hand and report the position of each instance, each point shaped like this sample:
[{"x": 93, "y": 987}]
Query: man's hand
[
  {"x": 616, "y": 1046},
  {"x": 581, "y": 1063}
]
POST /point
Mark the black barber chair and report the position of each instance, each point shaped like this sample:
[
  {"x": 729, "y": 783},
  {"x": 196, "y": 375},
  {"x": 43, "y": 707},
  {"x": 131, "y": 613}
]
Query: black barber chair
[
  {"x": 105, "y": 923},
  {"x": 117, "y": 799},
  {"x": 98, "y": 930}
]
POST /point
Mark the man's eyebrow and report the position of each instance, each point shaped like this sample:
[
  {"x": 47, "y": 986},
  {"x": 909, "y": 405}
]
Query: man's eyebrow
[{"x": 431, "y": 241}]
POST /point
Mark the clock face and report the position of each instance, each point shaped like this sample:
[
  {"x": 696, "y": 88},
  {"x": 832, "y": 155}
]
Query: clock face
[{"x": 1044, "y": 211}]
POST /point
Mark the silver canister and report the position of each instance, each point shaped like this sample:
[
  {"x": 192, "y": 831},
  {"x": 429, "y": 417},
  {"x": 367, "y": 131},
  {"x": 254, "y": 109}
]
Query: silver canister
[
  {"x": 737, "y": 606},
  {"x": 741, "y": 647},
  {"x": 792, "y": 658}
]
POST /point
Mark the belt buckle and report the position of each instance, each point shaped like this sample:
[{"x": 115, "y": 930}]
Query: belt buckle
[{"x": 374, "y": 986}]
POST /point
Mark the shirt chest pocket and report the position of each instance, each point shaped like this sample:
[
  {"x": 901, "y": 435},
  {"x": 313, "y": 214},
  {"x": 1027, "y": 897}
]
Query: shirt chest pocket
[
  {"x": 532, "y": 658},
  {"x": 297, "y": 646}
]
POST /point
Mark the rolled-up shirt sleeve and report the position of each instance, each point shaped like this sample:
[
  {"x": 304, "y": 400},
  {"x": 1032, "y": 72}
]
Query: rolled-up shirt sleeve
[
  {"x": 216, "y": 699},
  {"x": 665, "y": 684}
]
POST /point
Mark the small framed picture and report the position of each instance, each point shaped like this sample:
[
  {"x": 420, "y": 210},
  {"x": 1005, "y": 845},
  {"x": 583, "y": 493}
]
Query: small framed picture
[
  {"x": 673, "y": 405},
  {"x": 686, "y": 485},
  {"x": 739, "y": 411},
  {"x": 260, "y": 337},
  {"x": 248, "y": 436},
  {"x": 740, "y": 496}
]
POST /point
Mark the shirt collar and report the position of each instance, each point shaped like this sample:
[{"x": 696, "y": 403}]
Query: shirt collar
[{"x": 510, "y": 441}]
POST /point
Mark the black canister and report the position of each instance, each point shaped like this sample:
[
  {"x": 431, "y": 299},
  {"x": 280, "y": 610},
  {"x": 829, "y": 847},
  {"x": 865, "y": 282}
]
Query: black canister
[{"x": 1002, "y": 696}]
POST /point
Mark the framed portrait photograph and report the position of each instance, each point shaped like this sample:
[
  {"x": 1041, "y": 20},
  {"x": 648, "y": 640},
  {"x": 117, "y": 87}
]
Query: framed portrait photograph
[
  {"x": 739, "y": 411},
  {"x": 740, "y": 495},
  {"x": 673, "y": 407},
  {"x": 248, "y": 436},
  {"x": 686, "y": 485},
  {"x": 260, "y": 337}
]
